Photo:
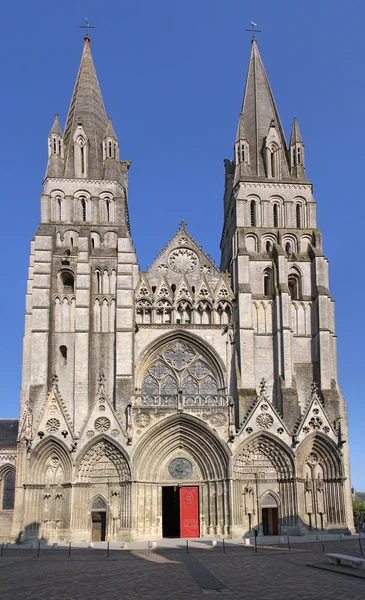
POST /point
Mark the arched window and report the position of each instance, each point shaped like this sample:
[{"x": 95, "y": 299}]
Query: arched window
[
  {"x": 9, "y": 490},
  {"x": 63, "y": 356},
  {"x": 108, "y": 209},
  {"x": 83, "y": 208},
  {"x": 298, "y": 215},
  {"x": 97, "y": 282},
  {"x": 294, "y": 286},
  {"x": 275, "y": 209},
  {"x": 184, "y": 313},
  {"x": 273, "y": 163},
  {"x": 67, "y": 282},
  {"x": 225, "y": 313},
  {"x": 82, "y": 153},
  {"x": 288, "y": 249},
  {"x": 268, "y": 283},
  {"x": 253, "y": 213},
  {"x": 59, "y": 208}
]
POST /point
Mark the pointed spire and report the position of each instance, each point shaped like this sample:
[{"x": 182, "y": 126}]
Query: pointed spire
[
  {"x": 258, "y": 114},
  {"x": 109, "y": 132},
  {"x": 295, "y": 137},
  {"x": 56, "y": 128},
  {"x": 55, "y": 165},
  {"x": 296, "y": 153},
  {"x": 86, "y": 108}
]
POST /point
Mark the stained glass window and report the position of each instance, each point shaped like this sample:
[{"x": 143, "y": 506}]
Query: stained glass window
[
  {"x": 179, "y": 367},
  {"x": 9, "y": 491}
]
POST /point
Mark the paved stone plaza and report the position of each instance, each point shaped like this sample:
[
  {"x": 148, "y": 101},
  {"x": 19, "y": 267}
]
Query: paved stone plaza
[{"x": 169, "y": 573}]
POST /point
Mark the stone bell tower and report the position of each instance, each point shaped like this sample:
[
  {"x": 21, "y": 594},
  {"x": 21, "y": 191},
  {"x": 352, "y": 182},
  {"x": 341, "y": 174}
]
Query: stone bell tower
[
  {"x": 79, "y": 320},
  {"x": 271, "y": 245}
]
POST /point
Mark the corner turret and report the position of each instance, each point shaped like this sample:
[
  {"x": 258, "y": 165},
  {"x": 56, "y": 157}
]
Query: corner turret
[
  {"x": 55, "y": 166},
  {"x": 297, "y": 168}
]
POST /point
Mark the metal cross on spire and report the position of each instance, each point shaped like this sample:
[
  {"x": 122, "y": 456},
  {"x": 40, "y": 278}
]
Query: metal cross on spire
[
  {"x": 253, "y": 29},
  {"x": 87, "y": 26}
]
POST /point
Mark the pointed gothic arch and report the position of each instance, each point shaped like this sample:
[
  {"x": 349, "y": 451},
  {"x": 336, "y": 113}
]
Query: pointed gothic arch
[
  {"x": 321, "y": 473},
  {"x": 199, "y": 349},
  {"x": 47, "y": 450},
  {"x": 7, "y": 486},
  {"x": 183, "y": 433},
  {"x": 96, "y": 451}
]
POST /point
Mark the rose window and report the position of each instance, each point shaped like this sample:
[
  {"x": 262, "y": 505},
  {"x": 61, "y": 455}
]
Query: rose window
[
  {"x": 183, "y": 260},
  {"x": 53, "y": 425},
  {"x": 102, "y": 424},
  {"x": 264, "y": 421}
]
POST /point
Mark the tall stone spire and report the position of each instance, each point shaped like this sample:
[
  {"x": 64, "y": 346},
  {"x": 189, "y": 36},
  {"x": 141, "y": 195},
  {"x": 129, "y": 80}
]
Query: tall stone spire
[
  {"x": 259, "y": 122},
  {"x": 86, "y": 120}
]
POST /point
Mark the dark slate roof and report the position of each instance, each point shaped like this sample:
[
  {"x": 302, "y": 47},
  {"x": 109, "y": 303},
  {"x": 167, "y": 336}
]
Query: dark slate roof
[
  {"x": 8, "y": 432},
  {"x": 360, "y": 496}
]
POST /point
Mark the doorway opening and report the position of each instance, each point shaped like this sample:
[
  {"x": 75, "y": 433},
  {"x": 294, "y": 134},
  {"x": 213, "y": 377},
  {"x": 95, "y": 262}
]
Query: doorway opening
[
  {"x": 98, "y": 520},
  {"x": 170, "y": 511},
  {"x": 270, "y": 521}
]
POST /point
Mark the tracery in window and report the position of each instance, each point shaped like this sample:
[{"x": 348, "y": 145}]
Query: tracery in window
[{"x": 179, "y": 367}]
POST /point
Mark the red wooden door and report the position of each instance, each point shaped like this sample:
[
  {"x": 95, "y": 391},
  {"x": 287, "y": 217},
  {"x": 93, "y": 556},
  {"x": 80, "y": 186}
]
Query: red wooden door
[{"x": 189, "y": 512}]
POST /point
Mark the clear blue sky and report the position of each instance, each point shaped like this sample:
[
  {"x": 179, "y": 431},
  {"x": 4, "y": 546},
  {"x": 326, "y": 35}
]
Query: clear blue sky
[{"x": 172, "y": 76}]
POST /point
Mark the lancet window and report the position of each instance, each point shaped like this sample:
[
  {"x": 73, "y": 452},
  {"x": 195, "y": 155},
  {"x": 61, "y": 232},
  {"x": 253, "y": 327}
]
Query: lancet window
[
  {"x": 253, "y": 213},
  {"x": 8, "y": 490},
  {"x": 294, "y": 285}
]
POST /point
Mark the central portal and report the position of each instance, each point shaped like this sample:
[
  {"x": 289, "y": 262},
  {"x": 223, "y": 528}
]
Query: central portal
[{"x": 180, "y": 511}]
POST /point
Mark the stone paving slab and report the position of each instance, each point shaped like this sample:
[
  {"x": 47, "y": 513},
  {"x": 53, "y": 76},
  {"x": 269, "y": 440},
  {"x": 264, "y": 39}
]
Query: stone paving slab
[{"x": 162, "y": 574}]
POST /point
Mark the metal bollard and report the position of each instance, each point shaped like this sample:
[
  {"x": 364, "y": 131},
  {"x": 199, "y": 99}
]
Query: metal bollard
[
  {"x": 323, "y": 548},
  {"x": 289, "y": 548},
  {"x": 187, "y": 546},
  {"x": 2, "y": 549},
  {"x": 107, "y": 550},
  {"x": 256, "y": 533},
  {"x": 69, "y": 550},
  {"x": 224, "y": 547},
  {"x": 39, "y": 549},
  {"x": 361, "y": 550}
]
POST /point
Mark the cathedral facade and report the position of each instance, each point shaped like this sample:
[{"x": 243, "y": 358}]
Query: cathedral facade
[{"x": 187, "y": 400}]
